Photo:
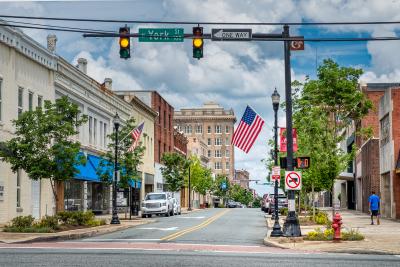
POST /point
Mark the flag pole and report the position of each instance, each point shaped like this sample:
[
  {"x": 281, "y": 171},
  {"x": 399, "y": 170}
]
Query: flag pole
[{"x": 130, "y": 132}]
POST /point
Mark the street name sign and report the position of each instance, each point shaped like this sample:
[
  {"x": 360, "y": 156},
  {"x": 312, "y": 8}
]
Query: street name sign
[
  {"x": 161, "y": 34},
  {"x": 292, "y": 180},
  {"x": 276, "y": 173},
  {"x": 231, "y": 34}
]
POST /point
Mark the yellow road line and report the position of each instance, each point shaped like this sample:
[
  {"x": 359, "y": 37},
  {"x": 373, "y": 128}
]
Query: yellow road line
[{"x": 194, "y": 228}]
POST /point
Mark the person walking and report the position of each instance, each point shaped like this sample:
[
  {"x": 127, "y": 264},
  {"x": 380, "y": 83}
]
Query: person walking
[{"x": 374, "y": 204}]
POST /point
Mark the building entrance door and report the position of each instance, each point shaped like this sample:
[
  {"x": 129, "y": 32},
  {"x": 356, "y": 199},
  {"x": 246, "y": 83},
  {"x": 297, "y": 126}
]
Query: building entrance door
[{"x": 386, "y": 201}]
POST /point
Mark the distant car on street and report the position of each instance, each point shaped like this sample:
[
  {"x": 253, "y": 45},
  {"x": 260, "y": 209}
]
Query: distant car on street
[
  {"x": 177, "y": 206},
  {"x": 232, "y": 204},
  {"x": 268, "y": 203}
]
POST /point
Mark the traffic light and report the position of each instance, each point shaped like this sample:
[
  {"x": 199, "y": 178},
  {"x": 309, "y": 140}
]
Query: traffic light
[
  {"x": 197, "y": 42},
  {"x": 124, "y": 43}
]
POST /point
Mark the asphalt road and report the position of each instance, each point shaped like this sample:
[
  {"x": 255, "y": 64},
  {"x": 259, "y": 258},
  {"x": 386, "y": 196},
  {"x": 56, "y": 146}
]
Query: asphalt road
[{"x": 213, "y": 237}]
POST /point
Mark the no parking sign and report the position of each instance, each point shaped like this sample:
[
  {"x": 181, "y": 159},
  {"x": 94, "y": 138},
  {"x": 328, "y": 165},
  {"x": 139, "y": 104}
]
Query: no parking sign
[{"x": 293, "y": 180}]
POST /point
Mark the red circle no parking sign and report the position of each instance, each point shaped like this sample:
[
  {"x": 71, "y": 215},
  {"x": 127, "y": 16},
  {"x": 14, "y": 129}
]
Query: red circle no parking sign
[{"x": 293, "y": 180}]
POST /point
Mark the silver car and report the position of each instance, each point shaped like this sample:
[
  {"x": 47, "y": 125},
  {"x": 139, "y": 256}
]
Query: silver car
[
  {"x": 157, "y": 203},
  {"x": 177, "y": 206}
]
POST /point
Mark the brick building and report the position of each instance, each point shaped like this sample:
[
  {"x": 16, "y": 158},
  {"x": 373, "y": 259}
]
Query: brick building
[
  {"x": 163, "y": 133},
  {"x": 242, "y": 178},
  {"x": 378, "y": 156},
  {"x": 213, "y": 125}
]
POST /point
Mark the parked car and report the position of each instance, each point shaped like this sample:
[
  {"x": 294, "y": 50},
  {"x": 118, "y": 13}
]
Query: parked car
[
  {"x": 157, "y": 203},
  {"x": 232, "y": 204},
  {"x": 268, "y": 202},
  {"x": 177, "y": 206}
]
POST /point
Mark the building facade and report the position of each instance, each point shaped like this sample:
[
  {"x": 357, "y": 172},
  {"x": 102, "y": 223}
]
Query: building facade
[
  {"x": 163, "y": 134},
  {"x": 214, "y": 126},
  {"x": 242, "y": 178},
  {"x": 26, "y": 81}
]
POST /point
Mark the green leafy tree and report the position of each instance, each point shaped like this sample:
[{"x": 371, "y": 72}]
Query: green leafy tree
[
  {"x": 200, "y": 177},
  {"x": 239, "y": 194},
  {"x": 175, "y": 170},
  {"x": 217, "y": 187},
  {"x": 322, "y": 109},
  {"x": 128, "y": 162},
  {"x": 43, "y": 146}
]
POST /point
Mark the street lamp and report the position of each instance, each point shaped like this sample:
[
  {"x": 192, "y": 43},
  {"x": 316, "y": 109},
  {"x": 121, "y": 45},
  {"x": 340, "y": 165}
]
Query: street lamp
[
  {"x": 190, "y": 204},
  {"x": 115, "y": 219},
  {"x": 276, "y": 230}
]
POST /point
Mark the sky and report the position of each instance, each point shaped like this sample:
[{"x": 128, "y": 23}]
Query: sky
[{"x": 234, "y": 74}]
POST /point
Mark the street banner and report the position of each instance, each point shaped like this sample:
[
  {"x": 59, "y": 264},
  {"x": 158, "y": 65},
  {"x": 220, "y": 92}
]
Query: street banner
[
  {"x": 283, "y": 140},
  {"x": 292, "y": 180}
]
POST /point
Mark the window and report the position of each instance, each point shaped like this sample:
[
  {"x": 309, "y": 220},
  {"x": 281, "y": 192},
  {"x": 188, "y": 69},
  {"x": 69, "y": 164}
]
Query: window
[
  {"x": 105, "y": 134},
  {"x": 227, "y": 154},
  {"x": 217, "y": 153},
  {"x": 227, "y": 166},
  {"x": 188, "y": 129},
  {"x": 385, "y": 130},
  {"x": 227, "y": 143},
  {"x": 18, "y": 188},
  {"x": 218, "y": 141},
  {"x": 30, "y": 101},
  {"x": 179, "y": 128},
  {"x": 209, "y": 153},
  {"x": 90, "y": 129},
  {"x": 217, "y": 165},
  {"x": 20, "y": 102},
  {"x": 1, "y": 98},
  {"x": 165, "y": 119},
  {"x": 39, "y": 101},
  {"x": 209, "y": 129},
  {"x": 199, "y": 129},
  {"x": 218, "y": 129},
  {"x": 209, "y": 141},
  {"x": 227, "y": 128},
  {"x": 94, "y": 131}
]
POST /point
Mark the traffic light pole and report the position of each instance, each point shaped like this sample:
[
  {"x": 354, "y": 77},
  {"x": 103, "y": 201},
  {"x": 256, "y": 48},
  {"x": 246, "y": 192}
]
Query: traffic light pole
[{"x": 291, "y": 226}]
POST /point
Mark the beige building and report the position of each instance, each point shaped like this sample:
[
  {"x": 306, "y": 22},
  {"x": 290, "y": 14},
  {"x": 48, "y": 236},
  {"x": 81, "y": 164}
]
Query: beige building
[
  {"x": 212, "y": 125},
  {"x": 242, "y": 178},
  {"x": 26, "y": 80}
]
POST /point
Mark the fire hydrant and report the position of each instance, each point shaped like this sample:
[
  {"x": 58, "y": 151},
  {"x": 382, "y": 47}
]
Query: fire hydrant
[{"x": 336, "y": 225}]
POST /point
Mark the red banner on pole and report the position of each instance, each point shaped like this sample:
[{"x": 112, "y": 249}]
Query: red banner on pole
[{"x": 283, "y": 140}]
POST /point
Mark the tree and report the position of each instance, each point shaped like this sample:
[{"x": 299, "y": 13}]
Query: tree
[
  {"x": 128, "y": 162},
  {"x": 322, "y": 109},
  {"x": 175, "y": 170},
  {"x": 239, "y": 194},
  {"x": 200, "y": 177},
  {"x": 218, "y": 188},
  {"x": 43, "y": 146}
]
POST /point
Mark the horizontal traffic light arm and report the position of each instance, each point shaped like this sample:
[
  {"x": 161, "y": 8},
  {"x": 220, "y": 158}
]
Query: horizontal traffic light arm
[{"x": 255, "y": 36}]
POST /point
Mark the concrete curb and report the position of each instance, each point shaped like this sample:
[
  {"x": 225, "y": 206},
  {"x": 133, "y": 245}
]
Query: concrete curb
[{"x": 70, "y": 235}]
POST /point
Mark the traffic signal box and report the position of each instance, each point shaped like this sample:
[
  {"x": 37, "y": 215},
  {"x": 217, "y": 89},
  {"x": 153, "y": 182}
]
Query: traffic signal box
[
  {"x": 198, "y": 42},
  {"x": 299, "y": 162},
  {"x": 124, "y": 43}
]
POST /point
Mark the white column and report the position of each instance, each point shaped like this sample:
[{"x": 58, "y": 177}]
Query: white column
[{"x": 85, "y": 195}]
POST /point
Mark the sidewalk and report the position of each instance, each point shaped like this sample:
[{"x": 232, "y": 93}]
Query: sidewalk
[
  {"x": 10, "y": 238},
  {"x": 379, "y": 239}
]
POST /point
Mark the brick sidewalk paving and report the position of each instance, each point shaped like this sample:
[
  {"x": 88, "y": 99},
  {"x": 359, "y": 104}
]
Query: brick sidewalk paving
[{"x": 379, "y": 239}]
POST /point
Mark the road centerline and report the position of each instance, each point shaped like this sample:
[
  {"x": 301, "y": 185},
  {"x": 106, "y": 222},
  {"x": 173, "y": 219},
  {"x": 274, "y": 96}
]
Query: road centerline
[{"x": 195, "y": 228}]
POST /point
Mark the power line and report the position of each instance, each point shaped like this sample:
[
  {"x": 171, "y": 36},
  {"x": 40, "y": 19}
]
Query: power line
[{"x": 205, "y": 22}]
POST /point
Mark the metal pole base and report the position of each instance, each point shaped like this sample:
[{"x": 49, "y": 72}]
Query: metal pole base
[
  {"x": 276, "y": 230},
  {"x": 115, "y": 220},
  {"x": 291, "y": 227}
]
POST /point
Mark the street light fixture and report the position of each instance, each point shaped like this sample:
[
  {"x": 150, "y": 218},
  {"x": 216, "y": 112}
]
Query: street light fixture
[
  {"x": 276, "y": 230},
  {"x": 115, "y": 219}
]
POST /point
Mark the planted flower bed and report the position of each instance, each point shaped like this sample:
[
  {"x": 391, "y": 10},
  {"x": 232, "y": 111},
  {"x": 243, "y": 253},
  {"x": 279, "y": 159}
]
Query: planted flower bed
[
  {"x": 327, "y": 235},
  {"x": 63, "y": 221}
]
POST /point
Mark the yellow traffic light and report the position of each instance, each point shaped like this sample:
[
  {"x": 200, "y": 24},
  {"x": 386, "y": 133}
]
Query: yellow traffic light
[
  {"x": 124, "y": 42},
  {"x": 197, "y": 42}
]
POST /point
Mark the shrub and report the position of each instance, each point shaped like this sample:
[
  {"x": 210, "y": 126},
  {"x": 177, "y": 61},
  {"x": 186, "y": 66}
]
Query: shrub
[
  {"x": 22, "y": 221},
  {"x": 321, "y": 218},
  {"x": 49, "y": 222},
  {"x": 328, "y": 234},
  {"x": 31, "y": 229},
  {"x": 352, "y": 235},
  {"x": 65, "y": 217},
  {"x": 284, "y": 211},
  {"x": 315, "y": 235}
]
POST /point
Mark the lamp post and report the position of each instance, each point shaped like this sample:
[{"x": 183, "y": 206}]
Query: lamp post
[
  {"x": 276, "y": 231},
  {"x": 190, "y": 204},
  {"x": 115, "y": 219}
]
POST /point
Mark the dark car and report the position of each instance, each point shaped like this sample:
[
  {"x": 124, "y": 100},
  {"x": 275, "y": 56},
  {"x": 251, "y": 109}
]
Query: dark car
[{"x": 232, "y": 204}]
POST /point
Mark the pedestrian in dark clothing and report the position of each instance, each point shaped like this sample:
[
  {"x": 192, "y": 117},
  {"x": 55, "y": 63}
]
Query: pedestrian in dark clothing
[{"x": 374, "y": 204}]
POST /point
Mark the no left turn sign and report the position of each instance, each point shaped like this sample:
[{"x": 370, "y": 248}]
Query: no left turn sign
[{"x": 292, "y": 180}]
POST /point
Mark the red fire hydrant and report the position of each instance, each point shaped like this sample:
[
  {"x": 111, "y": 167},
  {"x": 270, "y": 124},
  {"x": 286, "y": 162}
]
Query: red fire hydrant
[{"x": 336, "y": 225}]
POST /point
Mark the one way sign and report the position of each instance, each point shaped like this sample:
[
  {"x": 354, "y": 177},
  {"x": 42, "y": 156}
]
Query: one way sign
[{"x": 231, "y": 34}]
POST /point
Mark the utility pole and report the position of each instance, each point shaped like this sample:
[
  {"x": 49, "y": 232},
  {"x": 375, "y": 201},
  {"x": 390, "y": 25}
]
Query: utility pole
[{"x": 291, "y": 226}]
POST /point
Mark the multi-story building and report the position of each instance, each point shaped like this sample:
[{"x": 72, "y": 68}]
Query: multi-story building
[
  {"x": 26, "y": 81},
  {"x": 213, "y": 125},
  {"x": 86, "y": 191},
  {"x": 163, "y": 134},
  {"x": 242, "y": 178}
]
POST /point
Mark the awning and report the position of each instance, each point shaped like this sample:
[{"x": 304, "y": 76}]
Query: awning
[
  {"x": 86, "y": 171},
  {"x": 134, "y": 184}
]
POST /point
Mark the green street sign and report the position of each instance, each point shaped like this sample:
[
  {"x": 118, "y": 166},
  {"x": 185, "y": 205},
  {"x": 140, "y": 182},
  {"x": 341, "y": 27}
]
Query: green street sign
[{"x": 161, "y": 35}]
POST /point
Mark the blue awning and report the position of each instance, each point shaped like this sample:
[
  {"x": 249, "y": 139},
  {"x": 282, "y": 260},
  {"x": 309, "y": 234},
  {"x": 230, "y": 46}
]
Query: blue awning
[
  {"x": 134, "y": 184},
  {"x": 86, "y": 171}
]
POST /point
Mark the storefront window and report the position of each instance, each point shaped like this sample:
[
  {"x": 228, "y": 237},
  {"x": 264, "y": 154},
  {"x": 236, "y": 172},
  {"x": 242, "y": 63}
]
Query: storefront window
[
  {"x": 98, "y": 197},
  {"x": 73, "y": 195}
]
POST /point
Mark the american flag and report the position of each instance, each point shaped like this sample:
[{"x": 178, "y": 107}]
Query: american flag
[
  {"x": 135, "y": 133},
  {"x": 247, "y": 132}
]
